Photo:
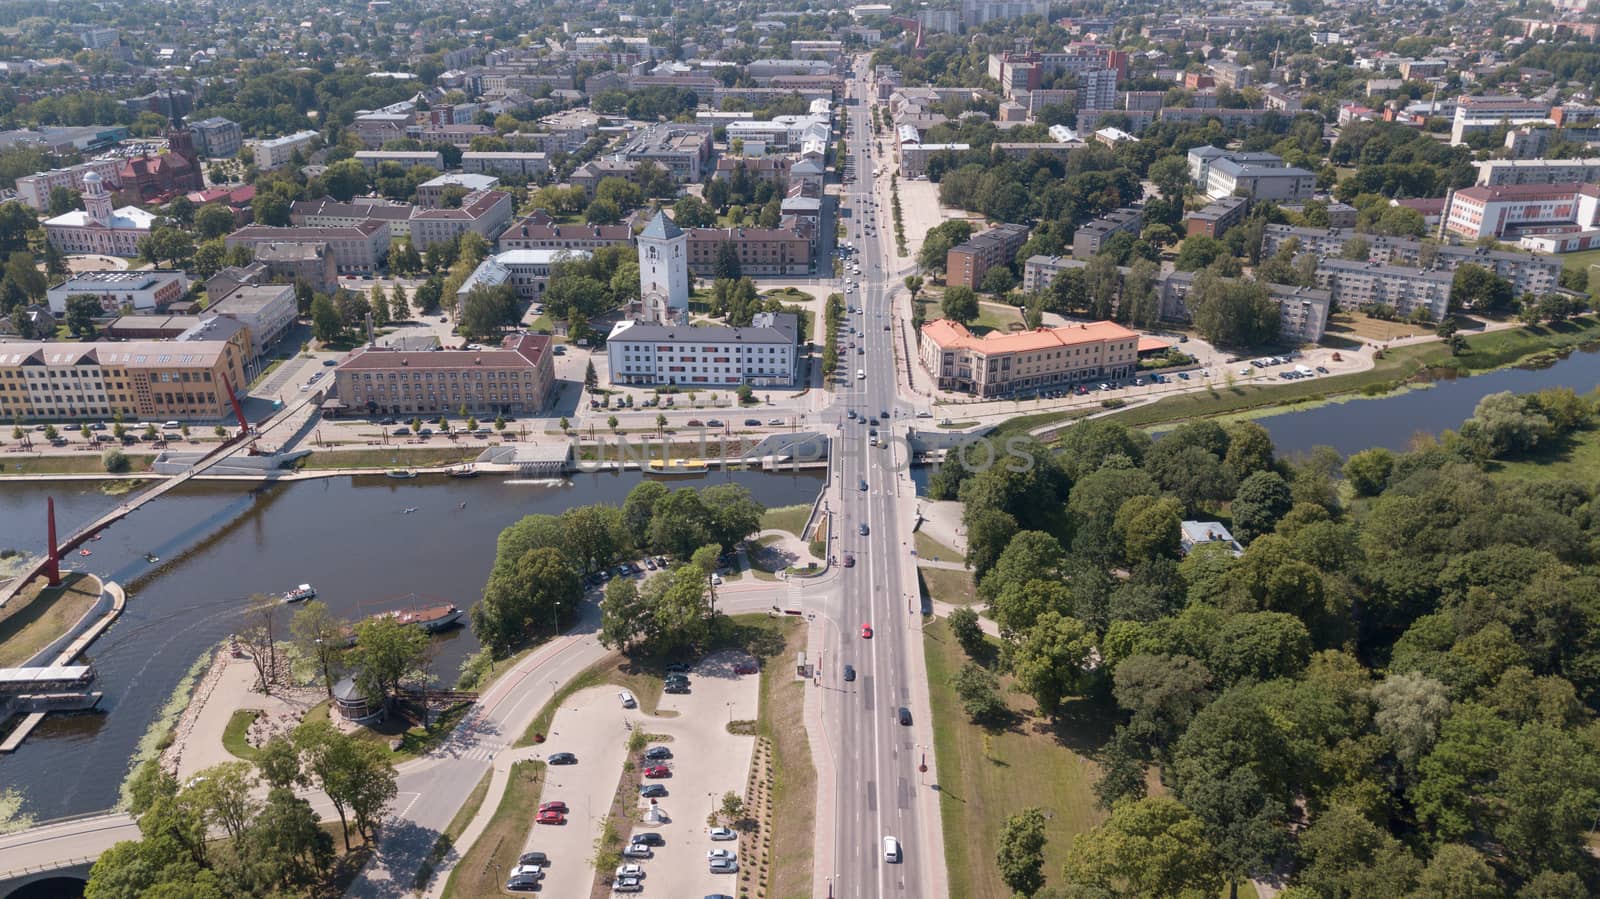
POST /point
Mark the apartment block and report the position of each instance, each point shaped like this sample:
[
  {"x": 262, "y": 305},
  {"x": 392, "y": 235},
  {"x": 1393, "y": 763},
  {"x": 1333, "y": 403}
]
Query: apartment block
[
  {"x": 1528, "y": 272},
  {"x": 327, "y": 213},
  {"x": 430, "y": 193},
  {"x": 277, "y": 152},
  {"x": 762, "y": 355},
  {"x": 538, "y": 231},
  {"x": 523, "y": 165},
  {"x": 515, "y": 377},
  {"x": 762, "y": 251},
  {"x": 1088, "y": 240},
  {"x": 142, "y": 380},
  {"x": 1478, "y": 114},
  {"x": 1302, "y": 311},
  {"x": 1262, "y": 176},
  {"x": 486, "y": 212},
  {"x": 1357, "y": 284},
  {"x": 34, "y": 190},
  {"x": 1216, "y": 218},
  {"x": 1477, "y": 212},
  {"x": 999, "y": 364},
  {"x": 968, "y": 263},
  {"x": 371, "y": 159},
  {"x": 217, "y": 137},
  {"x": 1498, "y": 172}
]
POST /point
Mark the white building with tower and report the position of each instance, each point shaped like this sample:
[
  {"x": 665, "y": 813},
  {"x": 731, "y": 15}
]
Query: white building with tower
[
  {"x": 98, "y": 228},
  {"x": 663, "y": 272}
]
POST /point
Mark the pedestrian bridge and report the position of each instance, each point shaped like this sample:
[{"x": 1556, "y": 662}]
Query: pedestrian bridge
[{"x": 64, "y": 848}]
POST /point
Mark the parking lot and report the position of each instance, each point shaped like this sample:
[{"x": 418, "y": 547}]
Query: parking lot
[{"x": 707, "y": 762}]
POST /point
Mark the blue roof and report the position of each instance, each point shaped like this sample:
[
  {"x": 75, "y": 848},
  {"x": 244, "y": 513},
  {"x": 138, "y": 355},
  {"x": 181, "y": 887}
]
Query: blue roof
[{"x": 661, "y": 228}]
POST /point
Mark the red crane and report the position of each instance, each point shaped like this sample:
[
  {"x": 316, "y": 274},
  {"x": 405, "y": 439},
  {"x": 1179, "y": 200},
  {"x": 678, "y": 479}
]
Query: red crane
[{"x": 910, "y": 24}]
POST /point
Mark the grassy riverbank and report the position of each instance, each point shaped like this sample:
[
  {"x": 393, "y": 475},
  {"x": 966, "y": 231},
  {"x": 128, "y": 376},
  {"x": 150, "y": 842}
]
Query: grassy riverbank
[
  {"x": 1485, "y": 352},
  {"x": 495, "y": 851},
  {"x": 41, "y": 614},
  {"x": 79, "y": 463}
]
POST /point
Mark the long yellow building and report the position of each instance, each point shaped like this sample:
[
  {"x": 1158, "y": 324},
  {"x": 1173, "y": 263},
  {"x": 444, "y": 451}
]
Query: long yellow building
[
  {"x": 142, "y": 379},
  {"x": 997, "y": 364}
]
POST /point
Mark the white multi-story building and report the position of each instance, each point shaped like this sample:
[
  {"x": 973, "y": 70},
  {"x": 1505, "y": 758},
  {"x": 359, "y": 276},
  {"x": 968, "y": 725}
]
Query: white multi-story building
[
  {"x": 34, "y": 190},
  {"x": 527, "y": 165},
  {"x": 528, "y": 271},
  {"x": 268, "y": 310},
  {"x": 142, "y": 291},
  {"x": 1498, "y": 172},
  {"x": 1477, "y": 114},
  {"x": 1478, "y": 212},
  {"x": 1533, "y": 273},
  {"x": 277, "y": 152},
  {"x": 98, "y": 228},
  {"x": 762, "y": 355},
  {"x": 1262, "y": 176},
  {"x": 371, "y": 159},
  {"x": 1356, "y": 284}
]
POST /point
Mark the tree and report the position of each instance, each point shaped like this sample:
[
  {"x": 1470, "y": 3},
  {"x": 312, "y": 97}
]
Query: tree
[
  {"x": 487, "y": 310},
  {"x": 326, "y": 324},
  {"x": 222, "y": 793},
  {"x": 727, "y": 263},
  {"x": 1162, "y": 694},
  {"x": 1477, "y": 289},
  {"x": 1170, "y": 174},
  {"x": 1151, "y": 527},
  {"x": 679, "y": 524},
  {"x": 914, "y": 284},
  {"x": 1261, "y": 500},
  {"x": 386, "y": 652},
  {"x": 379, "y": 301},
  {"x": 286, "y": 838},
  {"x": 167, "y": 243},
  {"x": 523, "y": 593},
  {"x": 1348, "y": 857},
  {"x": 1231, "y": 312},
  {"x": 963, "y": 622},
  {"x": 1198, "y": 251},
  {"x": 1152, "y": 848},
  {"x": 623, "y": 616},
  {"x": 692, "y": 212},
  {"x": 212, "y": 221},
  {"x": 602, "y": 212},
  {"x": 1457, "y": 872},
  {"x": 590, "y": 378},
  {"x": 959, "y": 304},
  {"x": 731, "y": 514},
  {"x": 1021, "y": 853},
  {"x": 638, "y": 509},
  {"x": 1244, "y": 821},
  {"x": 1504, "y": 424},
  {"x": 399, "y": 306},
  {"x": 979, "y": 691},
  {"x": 355, "y": 774},
  {"x": 319, "y": 637},
  {"x": 997, "y": 281},
  {"x": 1051, "y": 659},
  {"x": 82, "y": 310},
  {"x": 1368, "y": 471}
]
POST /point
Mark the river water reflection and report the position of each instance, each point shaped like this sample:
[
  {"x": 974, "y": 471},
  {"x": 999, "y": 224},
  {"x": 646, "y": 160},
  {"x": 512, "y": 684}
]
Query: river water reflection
[{"x": 221, "y": 542}]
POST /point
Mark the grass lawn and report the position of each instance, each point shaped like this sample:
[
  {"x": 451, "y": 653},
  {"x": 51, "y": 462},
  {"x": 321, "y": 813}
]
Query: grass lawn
[
  {"x": 424, "y": 457},
  {"x": 1584, "y": 262},
  {"x": 786, "y": 518},
  {"x": 233, "y": 736},
  {"x": 79, "y": 463},
  {"x": 949, "y": 585},
  {"x": 986, "y": 776},
  {"x": 495, "y": 851},
  {"x": 929, "y": 548},
  {"x": 1485, "y": 352},
  {"x": 1022, "y": 424},
  {"x": 794, "y": 794},
  {"x": 41, "y": 614},
  {"x": 1577, "y": 457},
  {"x": 414, "y": 740},
  {"x": 453, "y": 831},
  {"x": 1365, "y": 326},
  {"x": 957, "y": 425},
  {"x": 991, "y": 316}
]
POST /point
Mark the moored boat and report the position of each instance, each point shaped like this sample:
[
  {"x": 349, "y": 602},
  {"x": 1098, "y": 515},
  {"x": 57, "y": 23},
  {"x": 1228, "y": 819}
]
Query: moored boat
[
  {"x": 675, "y": 467},
  {"x": 433, "y": 618},
  {"x": 463, "y": 471},
  {"x": 401, "y": 473}
]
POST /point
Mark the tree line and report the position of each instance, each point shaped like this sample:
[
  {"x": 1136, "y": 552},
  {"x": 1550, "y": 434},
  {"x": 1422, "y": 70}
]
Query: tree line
[{"x": 1390, "y": 685}]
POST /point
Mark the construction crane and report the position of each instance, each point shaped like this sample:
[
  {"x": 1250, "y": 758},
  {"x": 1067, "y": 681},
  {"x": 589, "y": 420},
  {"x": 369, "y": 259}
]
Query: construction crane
[{"x": 910, "y": 24}]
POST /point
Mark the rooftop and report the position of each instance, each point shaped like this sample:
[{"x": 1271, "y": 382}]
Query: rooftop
[{"x": 949, "y": 334}]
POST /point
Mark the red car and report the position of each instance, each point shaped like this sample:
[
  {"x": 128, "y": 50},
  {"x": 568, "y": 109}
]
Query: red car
[
  {"x": 551, "y": 817},
  {"x": 866, "y": 632},
  {"x": 849, "y": 561},
  {"x": 746, "y": 668},
  {"x": 658, "y": 771},
  {"x": 556, "y": 806}
]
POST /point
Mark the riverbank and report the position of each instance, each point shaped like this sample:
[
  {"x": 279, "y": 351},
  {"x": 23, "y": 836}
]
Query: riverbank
[
  {"x": 1399, "y": 367},
  {"x": 42, "y": 614}
]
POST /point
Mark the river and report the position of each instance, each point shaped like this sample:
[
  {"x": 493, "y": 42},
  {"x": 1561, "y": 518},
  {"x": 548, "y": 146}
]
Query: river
[
  {"x": 219, "y": 543},
  {"x": 1392, "y": 421}
]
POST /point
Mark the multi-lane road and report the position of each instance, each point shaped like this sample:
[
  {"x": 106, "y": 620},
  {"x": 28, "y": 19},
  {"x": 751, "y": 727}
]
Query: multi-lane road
[{"x": 879, "y": 791}]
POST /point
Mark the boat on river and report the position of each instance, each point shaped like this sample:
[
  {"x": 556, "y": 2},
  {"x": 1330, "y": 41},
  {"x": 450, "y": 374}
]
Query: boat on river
[
  {"x": 672, "y": 467},
  {"x": 300, "y": 593},
  {"x": 401, "y": 474},
  {"x": 463, "y": 471},
  {"x": 432, "y": 618}
]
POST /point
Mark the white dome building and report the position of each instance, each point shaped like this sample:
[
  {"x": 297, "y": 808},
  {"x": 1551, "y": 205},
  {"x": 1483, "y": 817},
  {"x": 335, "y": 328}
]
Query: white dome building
[{"x": 98, "y": 228}]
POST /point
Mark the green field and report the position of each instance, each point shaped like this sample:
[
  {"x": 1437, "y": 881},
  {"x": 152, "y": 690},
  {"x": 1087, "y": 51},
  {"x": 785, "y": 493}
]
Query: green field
[
  {"x": 786, "y": 518},
  {"x": 481, "y": 870},
  {"x": 1576, "y": 458},
  {"x": 79, "y": 463},
  {"x": 41, "y": 614}
]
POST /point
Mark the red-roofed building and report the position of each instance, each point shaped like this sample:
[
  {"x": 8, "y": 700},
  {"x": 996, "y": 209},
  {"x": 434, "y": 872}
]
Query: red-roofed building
[
  {"x": 159, "y": 178},
  {"x": 1477, "y": 212},
  {"x": 998, "y": 364},
  {"x": 515, "y": 377}
]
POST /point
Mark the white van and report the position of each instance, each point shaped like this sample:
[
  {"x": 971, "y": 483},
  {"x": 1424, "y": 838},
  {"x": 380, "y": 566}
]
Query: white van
[
  {"x": 891, "y": 850},
  {"x": 861, "y": 374}
]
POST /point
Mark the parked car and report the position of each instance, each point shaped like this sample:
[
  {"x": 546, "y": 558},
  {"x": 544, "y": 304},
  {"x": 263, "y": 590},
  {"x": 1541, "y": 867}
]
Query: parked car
[
  {"x": 562, "y": 758},
  {"x": 657, "y": 771},
  {"x": 678, "y": 687},
  {"x": 724, "y": 854},
  {"x": 746, "y": 667},
  {"x": 627, "y": 884},
  {"x": 629, "y": 870},
  {"x": 724, "y": 866},
  {"x": 752, "y": 422},
  {"x": 713, "y": 422},
  {"x": 534, "y": 858},
  {"x": 774, "y": 422},
  {"x": 554, "y": 805},
  {"x": 652, "y": 791},
  {"x": 637, "y": 850},
  {"x": 648, "y": 838},
  {"x": 696, "y": 423},
  {"x": 658, "y": 753},
  {"x": 722, "y": 834}
]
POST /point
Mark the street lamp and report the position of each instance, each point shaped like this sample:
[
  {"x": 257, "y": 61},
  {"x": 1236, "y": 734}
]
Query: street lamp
[
  {"x": 730, "y": 711},
  {"x": 555, "y": 611}
]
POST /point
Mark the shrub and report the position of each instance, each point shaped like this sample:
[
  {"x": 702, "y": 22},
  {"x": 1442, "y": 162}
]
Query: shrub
[{"x": 115, "y": 461}]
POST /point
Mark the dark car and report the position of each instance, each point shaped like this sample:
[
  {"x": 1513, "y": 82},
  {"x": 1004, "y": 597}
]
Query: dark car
[
  {"x": 696, "y": 423},
  {"x": 849, "y": 561},
  {"x": 746, "y": 667},
  {"x": 678, "y": 667},
  {"x": 713, "y": 422},
  {"x": 863, "y": 530},
  {"x": 676, "y": 687},
  {"x": 752, "y": 422},
  {"x": 534, "y": 858},
  {"x": 863, "y": 483},
  {"x": 905, "y": 716},
  {"x": 849, "y": 672},
  {"x": 657, "y": 753},
  {"x": 563, "y": 758},
  {"x": 648, "y": 838}
]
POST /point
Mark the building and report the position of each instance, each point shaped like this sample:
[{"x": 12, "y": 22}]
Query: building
[
  {"x": 1199, "y": 533},
  {"x": 785, "y": 133},
  {"x": 528, "y": 271},
  {"x": 538, "y": 231},
  {"x": 277, "y": 152},
  {"x": 141, "y": 291},
  {"x": 327, "y": 213},
  {"x": 1232, "y": 75},
  {"x": 1217, "y": 217},
  {"x": 34, "y": 190},
  {"x": 589, "y": 175},
  {"x": 357, "y": 249},
  {"x": 1001, "y": 364},
  {"x": 217, "y": 137},
  {"x": 824, "y": 49},
  {"x": 761, "y": 251},
  {"x": 664, "y": 271},
  {"x": 302, "y": 260},
  {"x": 968, "y": 263},
  {"x": 486, "y": 212},
  {"x": 1479, "y": 114},
  {"x": 430, "y": 193},
  {"x": 1528, "y": 272},
  {"x": 1401, "y": 288},
  {"x": 142, "y": 380},
  {"x": 1262, "y": 176},
  {"x": 371, "y": 159},
  {"x": 1302, "y": 311},
  {"x": 513, "y": 378},
  {"x": 98, "y": 228},
  {"x": 1040, "y": 272},
  {"x": 683, "y": 150},
  {"x": 914, "y": 156},
  {"x": 979, "y": 12},
  {"x": 1097, "y": 89},
  {"x": 159, "y": 177},
  {"x": 522, "y": 165},
  {"x": 1088, "y": 240},
  {"x": 268, "y": 310},
  {"x": 1477, "y": 212},
  {"x": 766, "y": 354},
  {"x": 1498, "y": 172}
]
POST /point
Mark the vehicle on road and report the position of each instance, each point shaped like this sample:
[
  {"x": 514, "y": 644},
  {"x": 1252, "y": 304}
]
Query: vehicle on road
[
  {"x": 713, "y": 423},
  {"x": 551, "y": 818},
  {"x": 652, "y": 791},
  {"x": 863, "y": 484},
  {"x": 863, "y": 530},
  {"x": 849, "y": 673},
  {"x": 891, "y": 850},
  {"x": 553, "y": 806},
  {"x": 752, "y": 422},
  {"x": 562, "y": 758},
  {"x": 774, "y": 422},
  {"x": 866, "y": 632},
  {"x": 861, "y": 374},
  {"x": 658, "y": 753},
  {"x": 905, "y": 716},
  {"x": 849, "y": 561},
  {"x": 722, "y": 834},
  {"x": 534, "y": 858}
]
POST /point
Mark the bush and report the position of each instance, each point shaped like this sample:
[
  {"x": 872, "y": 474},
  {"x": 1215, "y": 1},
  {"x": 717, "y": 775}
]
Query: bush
[{"x": 115, "y": 461}]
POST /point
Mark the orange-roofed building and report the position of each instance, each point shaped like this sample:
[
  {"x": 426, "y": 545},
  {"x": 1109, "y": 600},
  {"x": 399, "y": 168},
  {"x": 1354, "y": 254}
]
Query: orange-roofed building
[{"x": 999, "y": 364}]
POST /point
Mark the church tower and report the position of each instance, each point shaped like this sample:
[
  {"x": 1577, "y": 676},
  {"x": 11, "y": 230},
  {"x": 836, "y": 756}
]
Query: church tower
[
  {"x": 664, "y": 270},
  {"x": 96, "y": 199}
]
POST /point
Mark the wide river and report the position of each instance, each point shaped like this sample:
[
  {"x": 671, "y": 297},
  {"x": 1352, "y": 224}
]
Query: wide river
[{"x": 219, "y": 543}]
